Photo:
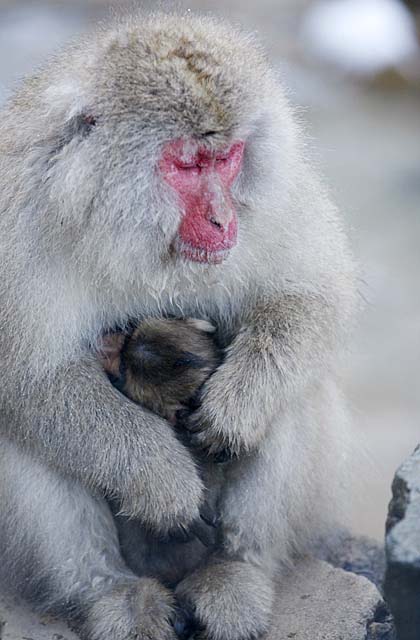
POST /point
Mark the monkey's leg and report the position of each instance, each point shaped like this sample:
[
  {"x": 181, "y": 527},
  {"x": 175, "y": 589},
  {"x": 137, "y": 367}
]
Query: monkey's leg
[
  {"x": 60, "y": 549},
  {"x": 227, "y": 599},
  {"x": 273, "y": 504}
]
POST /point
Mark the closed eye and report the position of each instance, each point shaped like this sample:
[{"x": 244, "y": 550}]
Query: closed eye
[
  {"x": 190, "y": 360},
  {"x": 187, "y": 167}
]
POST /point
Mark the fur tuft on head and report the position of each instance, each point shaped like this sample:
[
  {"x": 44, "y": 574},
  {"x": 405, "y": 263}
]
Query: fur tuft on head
[{"x": 201, "y": 325}]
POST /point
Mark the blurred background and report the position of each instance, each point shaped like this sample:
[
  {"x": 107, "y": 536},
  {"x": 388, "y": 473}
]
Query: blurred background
[{"x": 354, "y": 68}]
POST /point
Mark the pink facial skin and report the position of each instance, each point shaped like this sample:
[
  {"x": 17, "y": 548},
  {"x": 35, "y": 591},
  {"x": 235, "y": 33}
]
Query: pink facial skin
[{"x": 203, "y": 181}]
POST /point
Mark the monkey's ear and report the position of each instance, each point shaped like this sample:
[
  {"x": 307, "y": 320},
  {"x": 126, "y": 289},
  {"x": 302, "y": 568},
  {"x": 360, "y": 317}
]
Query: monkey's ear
[
  {"x": 109, "y": 352},
  {"x": 88, "y": 119},
  {"x": 84, "y": 123},
  {"x": 201, "y": 325},
  {"x": 68, "y": 98},
  {"x": 79, "y": 126}
]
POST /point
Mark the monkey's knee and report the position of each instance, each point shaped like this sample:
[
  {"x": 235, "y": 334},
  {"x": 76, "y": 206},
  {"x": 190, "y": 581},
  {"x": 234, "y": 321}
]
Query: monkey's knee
[
  {"x": 229, "y": 600},
  {"x": 141, "y": 609}
]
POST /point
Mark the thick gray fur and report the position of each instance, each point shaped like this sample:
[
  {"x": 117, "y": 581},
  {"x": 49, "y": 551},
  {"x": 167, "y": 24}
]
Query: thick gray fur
[{"x": 86, "y": 224}]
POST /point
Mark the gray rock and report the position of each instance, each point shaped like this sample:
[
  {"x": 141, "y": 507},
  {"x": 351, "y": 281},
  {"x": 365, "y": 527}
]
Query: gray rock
[
  {"x": 320, "y": 602},
  {"x": 314, "y": 602},
  {"x": 402, "y": 581},
  {"x": 358, "y": 554}
]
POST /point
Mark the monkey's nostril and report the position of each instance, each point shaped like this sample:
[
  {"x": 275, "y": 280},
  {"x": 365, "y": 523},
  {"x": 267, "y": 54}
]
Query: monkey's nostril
[{"x": 216, "y": 223}]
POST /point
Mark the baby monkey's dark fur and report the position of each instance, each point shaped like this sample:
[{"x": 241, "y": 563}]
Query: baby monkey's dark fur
[{"x": 163, "y": 363}]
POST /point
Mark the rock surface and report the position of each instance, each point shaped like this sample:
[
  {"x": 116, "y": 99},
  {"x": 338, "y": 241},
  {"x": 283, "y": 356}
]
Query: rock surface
[
  {"x": 402, "y": 582},
  {"x": 320, "y": 602},
  {"x": 358, "y": 554},
  {"x": 314, "y": 602}
]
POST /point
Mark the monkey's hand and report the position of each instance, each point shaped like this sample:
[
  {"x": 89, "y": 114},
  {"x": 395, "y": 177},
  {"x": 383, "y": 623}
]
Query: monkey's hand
[
  {"x": 170, "y": 500},
  {"x": 164, "y": 489},
  {"x": 81, "y": 425},
  {"x": 284, "y": 343},
  {"x": 231, "y": 419}
]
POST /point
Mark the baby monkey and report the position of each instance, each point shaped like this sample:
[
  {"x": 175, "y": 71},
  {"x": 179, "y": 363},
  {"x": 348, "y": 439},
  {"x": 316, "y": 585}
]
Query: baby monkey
[{"x": 163, "y": 363}]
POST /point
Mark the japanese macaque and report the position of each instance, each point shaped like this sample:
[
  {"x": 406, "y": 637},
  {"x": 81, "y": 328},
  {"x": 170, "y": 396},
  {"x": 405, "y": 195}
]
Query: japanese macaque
[
  {"x": 156, "y": 169},
  {"x": 162, "y": 363}
]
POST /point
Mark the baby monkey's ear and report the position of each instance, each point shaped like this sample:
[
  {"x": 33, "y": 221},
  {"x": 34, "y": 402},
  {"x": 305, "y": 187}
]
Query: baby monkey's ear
[
  {"x": 201, "y": 325},
  {"x": 110, "y": 352}
]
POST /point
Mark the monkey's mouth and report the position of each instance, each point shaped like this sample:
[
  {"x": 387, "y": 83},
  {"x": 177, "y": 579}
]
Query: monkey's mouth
[{"x": 202, "y": 255}]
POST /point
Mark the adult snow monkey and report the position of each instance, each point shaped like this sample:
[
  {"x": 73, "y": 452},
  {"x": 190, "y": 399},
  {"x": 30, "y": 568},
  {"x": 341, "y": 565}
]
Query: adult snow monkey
[{"x": 155, "y": 168}]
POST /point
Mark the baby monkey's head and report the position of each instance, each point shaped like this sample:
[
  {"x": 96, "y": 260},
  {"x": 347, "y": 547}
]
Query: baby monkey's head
[{"x": 163, "y": 363}]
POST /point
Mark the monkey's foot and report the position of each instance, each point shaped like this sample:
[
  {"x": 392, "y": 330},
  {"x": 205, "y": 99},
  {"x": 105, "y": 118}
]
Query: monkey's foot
[
  {"x": 141, "y": 610},
  {"x": 230, "y": 600}
]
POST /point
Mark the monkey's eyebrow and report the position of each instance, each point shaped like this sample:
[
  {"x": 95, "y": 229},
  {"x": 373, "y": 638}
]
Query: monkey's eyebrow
[{"x": 188, "y": 359}]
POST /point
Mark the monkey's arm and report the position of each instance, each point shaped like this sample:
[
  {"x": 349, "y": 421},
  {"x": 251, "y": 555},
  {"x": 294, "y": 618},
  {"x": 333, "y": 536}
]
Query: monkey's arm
[
  {"x": 284, "y": 343},
  {"x": 79, "y": 424}
]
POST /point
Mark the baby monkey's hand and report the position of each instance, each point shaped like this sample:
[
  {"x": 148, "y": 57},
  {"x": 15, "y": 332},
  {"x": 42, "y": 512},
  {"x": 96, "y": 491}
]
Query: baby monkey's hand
[{"x": 189, "y": 427}]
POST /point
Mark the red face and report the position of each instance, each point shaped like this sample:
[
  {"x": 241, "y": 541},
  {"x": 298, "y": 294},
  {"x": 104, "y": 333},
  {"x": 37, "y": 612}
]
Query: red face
[{"x": 203, "y": 181}]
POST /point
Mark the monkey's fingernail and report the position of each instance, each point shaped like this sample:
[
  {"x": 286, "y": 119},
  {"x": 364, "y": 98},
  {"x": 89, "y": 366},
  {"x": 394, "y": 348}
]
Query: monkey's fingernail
[
  {"x": 204, "y": 532},
  {"x": 185, "y": 535},
  {"x": 181, "y": 627},
  {"x": 184, "y": 623},
  {"x": 209, "y": 516},
  {"x": 193, "y": 427},
  {"x": 195, "y": 423},
  {"x": 181, "y": 535}
]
